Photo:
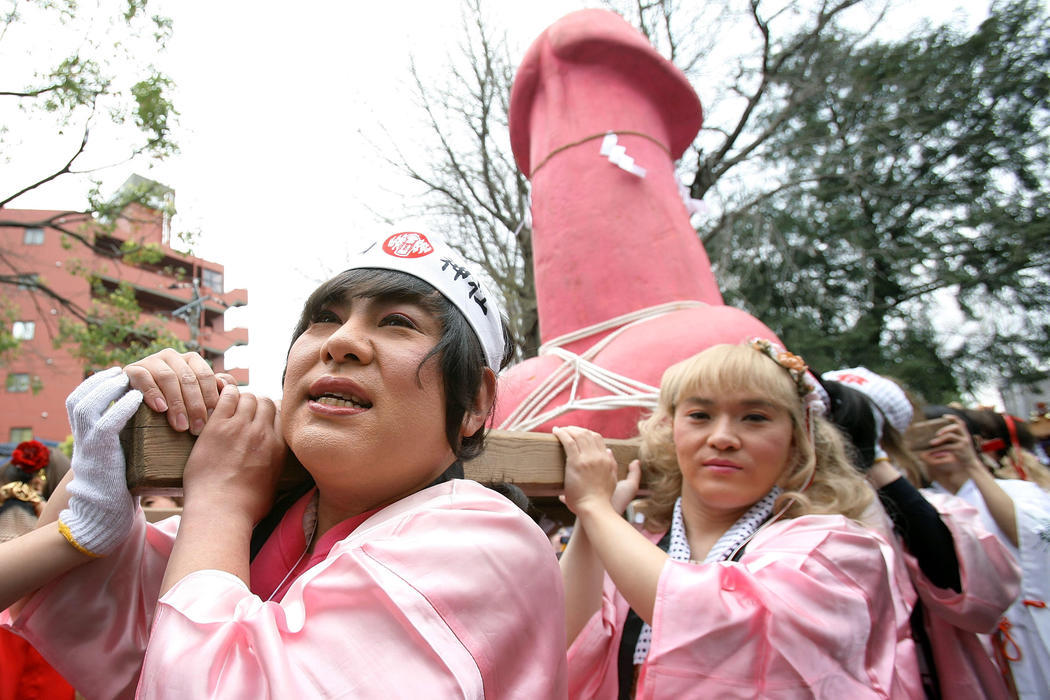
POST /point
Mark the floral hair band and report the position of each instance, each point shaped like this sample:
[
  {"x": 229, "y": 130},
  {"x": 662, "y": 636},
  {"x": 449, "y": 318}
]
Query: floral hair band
[
  {"x": 810, "y": 392},
  {"x": 814, "y": 398}
]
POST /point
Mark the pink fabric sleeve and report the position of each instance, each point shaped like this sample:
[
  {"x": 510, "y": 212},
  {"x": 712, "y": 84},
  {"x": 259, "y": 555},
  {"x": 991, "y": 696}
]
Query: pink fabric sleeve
[
  {"x": 990, "y": 574},
  {"x": 440, "y": 603},
  {"x": 808, "y": 609},
  {"x": 592, "y": 656},
  {"x": 92, "y": 624}
]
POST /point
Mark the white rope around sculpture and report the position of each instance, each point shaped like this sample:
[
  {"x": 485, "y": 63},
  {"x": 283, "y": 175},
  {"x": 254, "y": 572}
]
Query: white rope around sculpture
[{"x": 623, "y": 391}]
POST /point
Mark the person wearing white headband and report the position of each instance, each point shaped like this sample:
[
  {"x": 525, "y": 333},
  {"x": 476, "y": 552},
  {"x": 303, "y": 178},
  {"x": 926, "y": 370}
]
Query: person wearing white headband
[
  {"x": 434, "y": 262},
  {"x": 381, "y": 575},
  {"x": 749, "y": 575},
  {"x": 964, "y": 577}
]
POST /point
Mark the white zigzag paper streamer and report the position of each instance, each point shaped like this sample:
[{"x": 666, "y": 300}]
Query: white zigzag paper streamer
[{"x": 617, "y": 155}]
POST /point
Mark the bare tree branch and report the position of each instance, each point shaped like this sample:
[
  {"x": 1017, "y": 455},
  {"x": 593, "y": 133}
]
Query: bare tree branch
[{"x": 58, "y": 173}]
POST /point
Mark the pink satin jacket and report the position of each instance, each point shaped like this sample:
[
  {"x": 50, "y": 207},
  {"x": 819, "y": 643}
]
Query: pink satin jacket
[
  {"x": 452, "y": 592},
  {"x": 812, "y": 609},
  {"x": 991, "y": 580}
]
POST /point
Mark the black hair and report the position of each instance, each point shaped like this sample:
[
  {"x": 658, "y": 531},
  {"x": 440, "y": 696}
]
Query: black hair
[
  {"x": 10, "y": 473},
  {"x": 57, "y": 466},
  {"x": 991, "y": 425},
  {"x": 987, "y": 424},
  {"x": 459, "y": 351},
  {"x": 853, "y": 414},
  {"x": 931, "y": 411}
]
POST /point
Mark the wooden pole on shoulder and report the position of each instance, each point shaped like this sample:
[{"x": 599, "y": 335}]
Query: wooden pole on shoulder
[{"x": 156, "y": 455}]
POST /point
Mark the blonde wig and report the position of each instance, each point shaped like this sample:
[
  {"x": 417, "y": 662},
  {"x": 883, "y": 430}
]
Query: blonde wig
[{"x": 834, "y": 486}]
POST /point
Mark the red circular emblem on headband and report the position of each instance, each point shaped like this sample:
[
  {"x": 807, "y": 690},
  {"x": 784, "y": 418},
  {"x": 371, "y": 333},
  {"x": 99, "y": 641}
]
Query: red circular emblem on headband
[
  {"x": 407, "y": 245},
  {"x": 852, "y": 379}
]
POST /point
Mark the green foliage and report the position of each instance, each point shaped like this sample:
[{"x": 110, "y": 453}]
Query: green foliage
[
  {"x": 95, "y": 67},
  {"x": 66, "y": 446},
  {"x": 134, "y": 7},
  {"x": 179, "y": 273},
  {"x": 918, "y": 184},
  {"x": 9, "y": 344},
  {"x": 115, "y": 334},
  {"x": 136, "y": 253},
  {"x": 153, "y": 112},
  {"x": 109, "y": 210},
  {"x": 93, "y": 75},
  {"x": 74, "y": 82},
  {"x": 187, "y": 240}
]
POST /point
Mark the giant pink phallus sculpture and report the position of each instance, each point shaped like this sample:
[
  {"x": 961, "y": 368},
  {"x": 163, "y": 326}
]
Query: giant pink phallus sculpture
[{"x": 623, "y": 285}]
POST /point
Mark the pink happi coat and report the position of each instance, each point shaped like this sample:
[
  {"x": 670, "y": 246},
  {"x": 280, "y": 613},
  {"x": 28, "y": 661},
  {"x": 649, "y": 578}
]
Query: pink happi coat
[
  {"x": 991, "y": 581},
  {"x": 812, "y": 609},
  {"x": 452, "y": 592}
]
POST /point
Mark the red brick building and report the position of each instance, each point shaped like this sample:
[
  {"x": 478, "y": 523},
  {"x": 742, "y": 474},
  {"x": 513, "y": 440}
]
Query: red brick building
[{"x": 39, "y": 376}]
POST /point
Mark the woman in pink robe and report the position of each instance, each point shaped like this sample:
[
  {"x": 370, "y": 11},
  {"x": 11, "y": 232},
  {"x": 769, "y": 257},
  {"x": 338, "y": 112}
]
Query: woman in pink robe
[
  {"x": 385, "y": 575},
  {"x": 750, "y": 577}
]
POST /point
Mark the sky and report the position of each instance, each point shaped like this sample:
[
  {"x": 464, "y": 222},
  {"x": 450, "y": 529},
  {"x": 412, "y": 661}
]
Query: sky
[{"x": 285, "y": 109}]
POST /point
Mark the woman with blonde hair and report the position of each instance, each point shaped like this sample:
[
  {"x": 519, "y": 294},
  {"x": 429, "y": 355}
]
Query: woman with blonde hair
[{"x": 749, "y": 575}]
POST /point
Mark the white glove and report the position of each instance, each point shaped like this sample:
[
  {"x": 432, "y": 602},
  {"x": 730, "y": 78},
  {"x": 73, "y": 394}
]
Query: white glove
[{"x": 101, "y": 509}]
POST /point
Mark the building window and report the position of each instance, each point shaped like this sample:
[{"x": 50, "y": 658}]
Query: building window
[
  {"x": 34, "y": 235},
  {"x": 24, "y": 330},
  {"x": 27, "y": 282},
  {"x": 212, "y": 280},
  {"x": 17, "y": 382},
  {"x": 21, "y": 435}
]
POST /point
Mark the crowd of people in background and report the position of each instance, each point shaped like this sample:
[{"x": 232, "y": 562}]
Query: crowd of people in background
[{"x": 782, "y": 534}]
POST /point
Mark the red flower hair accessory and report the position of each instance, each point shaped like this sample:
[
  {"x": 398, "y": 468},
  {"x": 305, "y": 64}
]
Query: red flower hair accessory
[{"x": 31, "y": 456}]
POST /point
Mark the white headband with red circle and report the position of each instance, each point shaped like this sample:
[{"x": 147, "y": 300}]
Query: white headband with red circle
[{"x": 432, "y": 260}]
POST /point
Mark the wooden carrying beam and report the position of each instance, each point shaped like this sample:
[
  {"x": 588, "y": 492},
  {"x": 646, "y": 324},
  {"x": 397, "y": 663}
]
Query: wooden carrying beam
[{"x": 156, "y": 455}]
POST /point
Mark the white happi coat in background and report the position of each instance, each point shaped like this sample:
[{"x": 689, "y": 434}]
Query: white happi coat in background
[{"x": 1029, "y": 616}]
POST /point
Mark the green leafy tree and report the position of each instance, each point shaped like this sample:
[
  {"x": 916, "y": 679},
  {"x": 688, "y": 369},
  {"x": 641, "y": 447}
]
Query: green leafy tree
[
  {"x": 116, "y": 331},
  {"x": 90, "y": 89},
  {"x": 471, "y": 186},
  {"x": 8, "y": 342},
  {"x": 918, "y": 183}
]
